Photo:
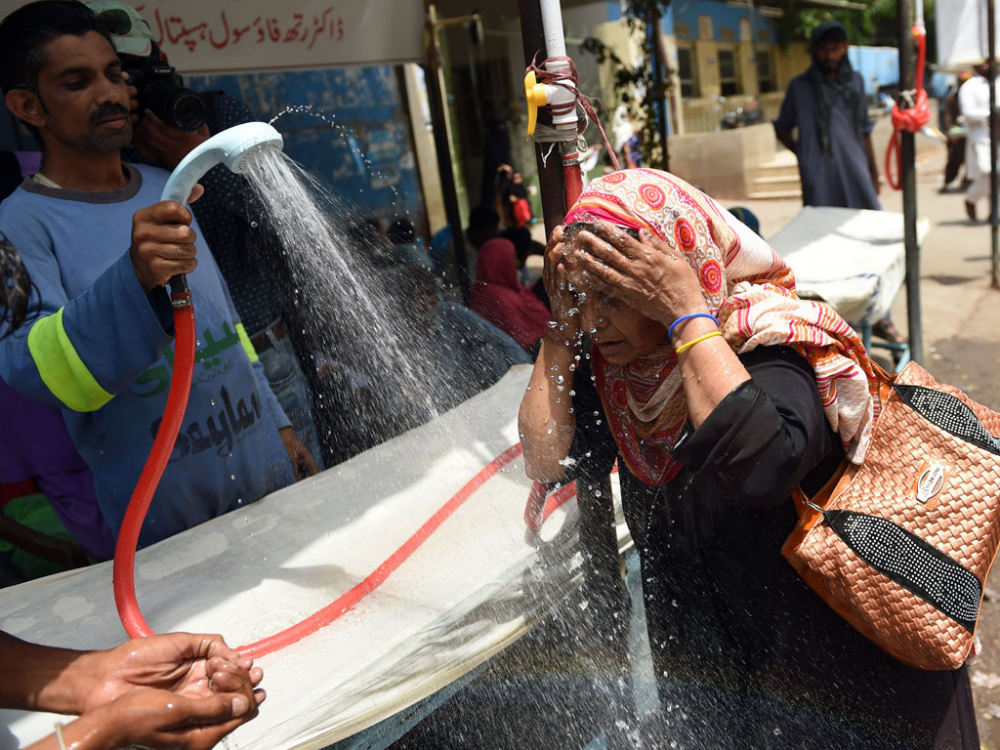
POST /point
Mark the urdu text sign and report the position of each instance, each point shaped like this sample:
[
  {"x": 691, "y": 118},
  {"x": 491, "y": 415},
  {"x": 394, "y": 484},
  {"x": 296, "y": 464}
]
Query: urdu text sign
[{"x": 245, "y": 35}]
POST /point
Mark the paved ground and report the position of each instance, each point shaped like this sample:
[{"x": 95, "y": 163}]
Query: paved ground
[{"x": 962, "y": 347}]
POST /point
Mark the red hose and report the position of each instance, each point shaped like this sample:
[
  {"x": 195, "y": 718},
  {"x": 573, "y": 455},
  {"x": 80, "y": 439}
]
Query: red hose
[
  {"x": 332, "y": 611},
  {"x": 124, "y": 563},
  {"x": 538, "y": 509},
  {"x": 912, "y": 119},
  {"x": 173, "y": 416}
]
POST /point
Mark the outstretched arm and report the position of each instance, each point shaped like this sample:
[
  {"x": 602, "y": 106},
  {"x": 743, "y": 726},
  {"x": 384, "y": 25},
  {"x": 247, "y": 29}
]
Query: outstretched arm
[{"x": 175, "y": 690}]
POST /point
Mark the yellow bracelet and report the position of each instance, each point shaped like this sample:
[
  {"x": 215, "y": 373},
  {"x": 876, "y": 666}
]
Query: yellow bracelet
[{"x": 698, "y": 340}]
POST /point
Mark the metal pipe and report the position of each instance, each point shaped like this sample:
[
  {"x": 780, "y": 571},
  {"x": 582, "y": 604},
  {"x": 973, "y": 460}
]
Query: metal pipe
[
  {"x": 752, "y": 15},
  {"x": 442, "y": 143},
  {"x": 657, "y": 60},
  {"x": 909, "y": 183},
  {"x": 555, "y": 45},
  {"x": 991, "y": 24},
  {"x": 550, "y": 174}
]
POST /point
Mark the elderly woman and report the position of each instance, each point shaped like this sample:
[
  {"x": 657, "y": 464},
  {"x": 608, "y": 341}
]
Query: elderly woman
[{"x": 719, "y": 392}]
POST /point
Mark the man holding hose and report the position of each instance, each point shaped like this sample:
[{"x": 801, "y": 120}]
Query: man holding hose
[{"x": 100, "y": 247}]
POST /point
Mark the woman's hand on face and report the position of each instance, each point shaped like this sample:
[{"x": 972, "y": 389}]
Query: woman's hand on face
[
  {"x": 561, "y": 300},
  {"x": 646, "y": 274}
]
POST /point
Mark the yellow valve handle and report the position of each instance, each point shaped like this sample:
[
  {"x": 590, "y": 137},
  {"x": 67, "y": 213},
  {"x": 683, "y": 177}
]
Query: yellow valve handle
[{"x": 534, "y": 94}]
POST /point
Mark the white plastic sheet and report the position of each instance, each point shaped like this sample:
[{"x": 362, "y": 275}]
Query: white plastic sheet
[
  {"x": 851, "y": 258},
  {"x": 475, "y": 586}
]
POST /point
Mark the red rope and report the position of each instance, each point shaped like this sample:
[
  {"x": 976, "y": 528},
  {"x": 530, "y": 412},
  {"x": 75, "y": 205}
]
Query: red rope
[{"x": 912, "y": 120}]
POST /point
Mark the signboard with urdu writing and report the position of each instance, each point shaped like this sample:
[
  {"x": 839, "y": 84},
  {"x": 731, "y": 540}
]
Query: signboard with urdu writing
[{"x": 244, "y": 35}]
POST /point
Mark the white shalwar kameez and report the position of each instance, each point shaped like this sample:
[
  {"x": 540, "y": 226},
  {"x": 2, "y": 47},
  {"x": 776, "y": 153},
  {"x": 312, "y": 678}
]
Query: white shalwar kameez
[{"x": 974, "y": 101}]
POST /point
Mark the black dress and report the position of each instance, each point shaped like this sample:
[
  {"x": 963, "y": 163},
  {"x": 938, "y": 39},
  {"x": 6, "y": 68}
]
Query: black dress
[{"x": 746, "y": 655}]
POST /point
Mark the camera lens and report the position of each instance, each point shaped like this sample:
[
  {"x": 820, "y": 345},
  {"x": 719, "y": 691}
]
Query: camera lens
[{"x": 187, "y": 110}]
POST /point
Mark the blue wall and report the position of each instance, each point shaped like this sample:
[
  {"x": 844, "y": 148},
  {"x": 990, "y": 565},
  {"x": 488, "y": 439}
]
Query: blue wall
[
  {"x": 369, "y": 162},
  {"x": 722, "y": 15},
  {"x": 878, "y": 66}
]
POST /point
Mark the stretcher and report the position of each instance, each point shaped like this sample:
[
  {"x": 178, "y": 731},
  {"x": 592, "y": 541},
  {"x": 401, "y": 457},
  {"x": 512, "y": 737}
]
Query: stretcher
[
  {"x": 476, "y": 584},
  {"x": 852, "y": 259}
]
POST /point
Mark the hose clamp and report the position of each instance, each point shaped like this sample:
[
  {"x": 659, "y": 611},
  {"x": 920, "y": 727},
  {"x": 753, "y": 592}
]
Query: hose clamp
[{"x": 181, "y": 300}]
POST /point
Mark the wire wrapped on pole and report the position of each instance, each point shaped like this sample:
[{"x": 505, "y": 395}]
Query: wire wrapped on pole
[
  {"x": 567, "y": 78},
  {"x": 912, "y": 119}
]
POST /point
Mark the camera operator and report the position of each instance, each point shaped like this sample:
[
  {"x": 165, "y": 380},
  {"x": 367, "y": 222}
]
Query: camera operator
[{"x": 168, "y": 122}]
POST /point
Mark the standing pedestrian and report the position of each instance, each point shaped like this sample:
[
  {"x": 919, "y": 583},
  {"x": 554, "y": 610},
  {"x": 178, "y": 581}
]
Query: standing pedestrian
[
  {"x": 974, "y": 101},
  {"x": 834, "y": 148},
  {"x": 953, "y": 126},
  {"x": 836, "y": 159}
]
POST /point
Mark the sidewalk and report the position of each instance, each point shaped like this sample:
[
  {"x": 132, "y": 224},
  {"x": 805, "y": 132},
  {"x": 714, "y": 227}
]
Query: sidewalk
[{"x": 961, "y": 323}]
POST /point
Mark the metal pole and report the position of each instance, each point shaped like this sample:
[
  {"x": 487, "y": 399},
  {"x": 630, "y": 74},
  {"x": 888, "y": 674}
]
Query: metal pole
[
  {"x": 550, "y": 173},
  {"x": 656, "y": 58},
  {"x": 442, "y": 143},
  {"x": 752, "y": 15},
  {"x": 991, "y": 23},
  {"x": 909, "y": 180}
]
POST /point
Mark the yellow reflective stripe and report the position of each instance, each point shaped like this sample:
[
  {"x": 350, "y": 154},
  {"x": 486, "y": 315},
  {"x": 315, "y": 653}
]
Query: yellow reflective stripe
[
  {"x": 61, "y": 368},
  {"x": 245, "y": 340}
]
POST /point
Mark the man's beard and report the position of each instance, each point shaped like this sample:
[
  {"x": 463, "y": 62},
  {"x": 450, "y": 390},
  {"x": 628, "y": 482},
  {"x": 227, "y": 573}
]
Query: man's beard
[{"x": 99, "y": 142}]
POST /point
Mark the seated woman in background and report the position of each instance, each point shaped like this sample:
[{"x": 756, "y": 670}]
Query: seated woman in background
[
  {"x": 500, "y": 298},
  {"x": 719, "y": 392}
]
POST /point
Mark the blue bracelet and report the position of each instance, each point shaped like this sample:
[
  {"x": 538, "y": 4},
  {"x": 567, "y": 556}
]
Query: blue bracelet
[{"x": 689, "y": 316}]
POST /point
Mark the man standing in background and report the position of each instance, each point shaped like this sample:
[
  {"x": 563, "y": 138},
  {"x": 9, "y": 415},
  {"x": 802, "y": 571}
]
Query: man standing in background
[{"x": 827, "y": 103}]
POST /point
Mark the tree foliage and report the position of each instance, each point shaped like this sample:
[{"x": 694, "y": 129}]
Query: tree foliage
[
  {"x": 636, "y": 86},
  {"x": 876, "y": 26}
]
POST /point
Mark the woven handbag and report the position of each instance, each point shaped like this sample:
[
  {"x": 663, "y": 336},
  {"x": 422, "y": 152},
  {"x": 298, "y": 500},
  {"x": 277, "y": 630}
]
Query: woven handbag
[{"x": 901, "y": 545}]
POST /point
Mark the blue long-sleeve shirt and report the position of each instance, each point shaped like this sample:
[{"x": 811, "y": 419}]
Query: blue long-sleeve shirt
[{"x": 101, "y": 349}]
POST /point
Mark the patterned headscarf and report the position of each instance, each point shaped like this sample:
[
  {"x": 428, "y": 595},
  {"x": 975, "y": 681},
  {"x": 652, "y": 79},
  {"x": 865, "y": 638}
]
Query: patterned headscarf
[{"x": 751, "y": 291}]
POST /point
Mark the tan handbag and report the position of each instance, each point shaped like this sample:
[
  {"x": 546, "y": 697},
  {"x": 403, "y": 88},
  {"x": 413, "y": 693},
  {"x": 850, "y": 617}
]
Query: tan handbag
[{"x": 901, "y": 545}]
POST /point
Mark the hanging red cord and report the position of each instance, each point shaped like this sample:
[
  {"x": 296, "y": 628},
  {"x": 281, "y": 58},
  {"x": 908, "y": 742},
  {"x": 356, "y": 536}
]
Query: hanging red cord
[{"x": 912, "y": 119}]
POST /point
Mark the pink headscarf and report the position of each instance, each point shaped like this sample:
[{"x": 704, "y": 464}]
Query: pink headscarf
[
  {"x": 750, "y": 289},
  {"x": 499, "y": 297}
]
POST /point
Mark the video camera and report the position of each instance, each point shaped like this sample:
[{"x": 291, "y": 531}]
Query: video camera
[{"x": 161, "y": 89}]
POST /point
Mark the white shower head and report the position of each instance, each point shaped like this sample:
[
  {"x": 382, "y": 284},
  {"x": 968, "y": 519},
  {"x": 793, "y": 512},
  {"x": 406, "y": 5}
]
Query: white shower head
[{"x": 235, "y": 147}]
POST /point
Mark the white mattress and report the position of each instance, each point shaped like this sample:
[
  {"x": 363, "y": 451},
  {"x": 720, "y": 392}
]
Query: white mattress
[
  {"x": 475, "y": 586},
  {"x": 853, "y": 259}
]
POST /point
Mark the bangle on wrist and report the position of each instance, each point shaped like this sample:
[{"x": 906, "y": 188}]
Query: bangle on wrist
[
  {"x": 689, "y": 316},
  {"x": 552, "y": 332},
  {"x": 698, "y": 340}
]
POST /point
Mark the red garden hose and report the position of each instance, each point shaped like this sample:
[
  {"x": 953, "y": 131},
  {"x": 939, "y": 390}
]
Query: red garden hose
[
  {"x": 173, "y": 415},
  {"x": 912, "y": 119},
  {"x": 180, "y": 386}
]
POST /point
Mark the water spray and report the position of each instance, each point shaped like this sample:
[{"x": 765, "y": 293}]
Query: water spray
[{"x": 236, "y": 148}]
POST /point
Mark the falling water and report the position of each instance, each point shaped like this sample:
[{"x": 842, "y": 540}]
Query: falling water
[
  {"x": 358, "y": 317},
  {"x": 354, "y": 310}
]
